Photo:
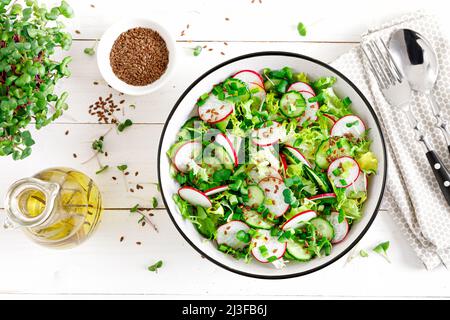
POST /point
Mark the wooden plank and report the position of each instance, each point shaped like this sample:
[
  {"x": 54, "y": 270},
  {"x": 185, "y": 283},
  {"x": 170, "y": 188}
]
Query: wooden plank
[
  {"x": 104, "y": 265},
  {"x": 155, "y": 107},
  {"x": 266, "y": 21}
]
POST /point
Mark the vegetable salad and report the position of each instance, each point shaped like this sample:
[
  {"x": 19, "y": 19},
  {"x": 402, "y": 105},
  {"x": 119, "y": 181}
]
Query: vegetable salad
[{"x": 274, "y": 167}]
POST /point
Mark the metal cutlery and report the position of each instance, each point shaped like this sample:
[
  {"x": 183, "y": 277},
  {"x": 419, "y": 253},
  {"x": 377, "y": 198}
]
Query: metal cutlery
[
  {"x": 397, "y": 92},
  {"x": 417, "y": 60}
]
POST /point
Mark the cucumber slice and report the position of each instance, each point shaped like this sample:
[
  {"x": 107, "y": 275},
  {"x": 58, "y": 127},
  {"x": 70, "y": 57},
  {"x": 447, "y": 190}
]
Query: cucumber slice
[
  {"x": 255, "y": 196},
  {"x": 214, "y": 150},
  {"x": 319, "y": 180},
  {"x": 255, "y": 220},
  {"x": 298, "y": 251},
  {"x": 324, "y": 229},
  {"x": 331, "y": 149},
  {"x": 186, "y": 132},
  {"x": 236, "y": 88},
  {"x": 212, "y": 163},
  {"x": 288, "y": 104}
]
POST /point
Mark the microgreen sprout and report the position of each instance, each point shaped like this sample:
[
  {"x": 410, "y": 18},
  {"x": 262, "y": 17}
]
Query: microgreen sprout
[
  {"x": 30, "y": 34},
  {"x": 197, "y": 50},
  {"x": 156, "y": 266},
  {"x": 143, "y": 217},
  {"x": 123, "y": 125},
  {"x": 301, "y": 29},
  {"x": 382, "y": 249}
]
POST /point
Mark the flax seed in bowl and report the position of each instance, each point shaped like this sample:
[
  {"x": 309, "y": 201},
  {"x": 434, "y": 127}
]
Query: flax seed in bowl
[{"x": 136, "y": 56}]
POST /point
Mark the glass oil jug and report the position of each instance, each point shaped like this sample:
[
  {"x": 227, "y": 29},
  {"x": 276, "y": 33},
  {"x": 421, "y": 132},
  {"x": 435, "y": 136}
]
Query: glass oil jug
[{"x": 58, "y": 207}]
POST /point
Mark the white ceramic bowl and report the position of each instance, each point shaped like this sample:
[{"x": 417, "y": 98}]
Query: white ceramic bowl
[
  {"x": 105, "y": 46},
  {"x": 184, "y": 109}
]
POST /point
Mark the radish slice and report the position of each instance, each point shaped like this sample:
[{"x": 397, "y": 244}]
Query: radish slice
[
  {"x": 215, "y": 190},
  {"x": 269, "y": 135},
  {"x": 215, "y": 110},
  {"x": 226, "y": 143},
  {"x": 226, "y": 234},
  {"x": 265, "y": 246},
  {"x": 249, "y": 76},
  {"x": 360, "y": 185},
  {"x": 348, "y": 125},
  {"x": 340, "y": 229},
  {"x": 301, "y": 87},
  {"x": 194, "y": 197},
  {"x": 259, "y": 173},
  {"x": 298, "y": 155},
  {"x": 187, "y": 153},
  {"x": 260, "y": 94},
  {"x": 311, "y": 108},
  {"x": 348, "y": 171},
  {"x": 273, "y": 189},
  {"x": 298, "y": 220},
  {"x": 323, "y": 196}
]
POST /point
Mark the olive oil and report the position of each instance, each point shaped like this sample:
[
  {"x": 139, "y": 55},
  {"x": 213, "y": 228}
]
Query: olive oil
[{"x": 59, "y": 207}]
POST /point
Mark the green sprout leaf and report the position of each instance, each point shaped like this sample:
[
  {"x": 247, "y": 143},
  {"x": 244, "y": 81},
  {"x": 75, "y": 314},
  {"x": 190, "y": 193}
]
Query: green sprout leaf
[
  {"x": 301, "y": 29},
  {"x": 102, "y": 169},
  {"x": 382, "y": 249},
  {"x": 156, "y": 266},
  {"x": 123, "y": 125},
  {"x": 154, "y": 202},
  {"x": 122, "y": 167},
  {"x": 363, "y": 253},
  {"x": 197, "y": 50},
  {"x": 89, "y": 51}
]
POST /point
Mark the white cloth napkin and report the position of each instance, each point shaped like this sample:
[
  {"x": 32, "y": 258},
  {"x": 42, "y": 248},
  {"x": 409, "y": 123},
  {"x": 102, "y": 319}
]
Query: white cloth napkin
[{"x": 413, "y": 197}]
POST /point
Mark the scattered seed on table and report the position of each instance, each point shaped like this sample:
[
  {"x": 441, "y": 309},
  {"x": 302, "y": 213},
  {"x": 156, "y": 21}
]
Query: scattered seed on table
[
  {"x": 67, "y": 132},
  {"x": 121, "y": 101},
  {"x": 222, "y": 53},
  {"x": 121, "y": 239},
  {"x": 127, "y": 173},
  {"x": 136, "y": 173},
  {"x": 114, "y": 178},
  {"x": 75, "y": 155},
  {"x": 187, "y": 26},
  {"x": 131, "y": 190},
  {"x": 225, "y": 43},
  {"x": 92, "y": 6},
  {"x": 138, "y": 243},
  {"x": 210, "y": 49},
  {"x": 77, "y": 32},
  {"x": 95, "y": 83},
  {"x": 106, "y": 153},
  {"x": 227, "y": 19}
]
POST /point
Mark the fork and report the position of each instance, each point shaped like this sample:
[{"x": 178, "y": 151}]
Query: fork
[{"x": 397, "y": 93}]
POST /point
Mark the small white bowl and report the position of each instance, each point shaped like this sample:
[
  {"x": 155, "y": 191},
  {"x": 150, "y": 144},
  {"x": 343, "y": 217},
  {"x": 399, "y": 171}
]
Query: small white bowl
[{"x": 104, "y": 50}]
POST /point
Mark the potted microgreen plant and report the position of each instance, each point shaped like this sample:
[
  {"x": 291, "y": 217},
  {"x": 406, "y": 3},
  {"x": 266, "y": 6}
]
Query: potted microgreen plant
[{"x": 29, "y": 35}]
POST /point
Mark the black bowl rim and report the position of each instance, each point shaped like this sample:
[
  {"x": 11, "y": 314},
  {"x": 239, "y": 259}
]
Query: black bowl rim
[{"x": 285, "y": 54}]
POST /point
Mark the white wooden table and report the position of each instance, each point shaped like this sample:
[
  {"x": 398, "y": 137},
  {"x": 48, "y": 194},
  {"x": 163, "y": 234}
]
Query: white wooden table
[{"x": 106, "y": 266}]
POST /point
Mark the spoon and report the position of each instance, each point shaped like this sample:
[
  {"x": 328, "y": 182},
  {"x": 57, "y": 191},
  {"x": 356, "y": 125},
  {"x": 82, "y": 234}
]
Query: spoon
[{"x": 417, "y": 60}]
